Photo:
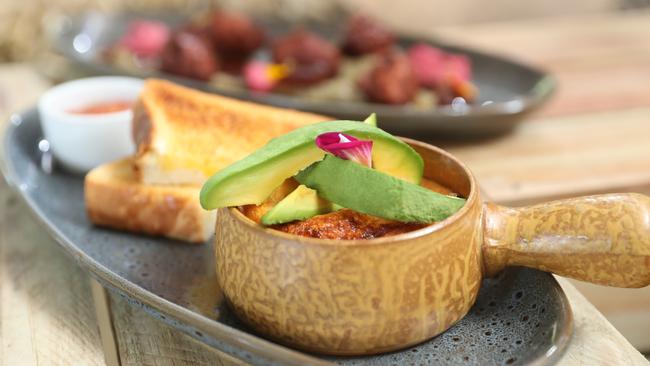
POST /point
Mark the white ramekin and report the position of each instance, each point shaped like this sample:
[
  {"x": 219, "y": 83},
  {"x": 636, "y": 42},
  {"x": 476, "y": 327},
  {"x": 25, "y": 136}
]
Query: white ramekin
[{"x": 83, "y": 141}]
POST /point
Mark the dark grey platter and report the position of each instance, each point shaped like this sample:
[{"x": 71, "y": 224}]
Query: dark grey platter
[
  {"x": 508, "y": 90},
  {"x": 520, "y": 317}
]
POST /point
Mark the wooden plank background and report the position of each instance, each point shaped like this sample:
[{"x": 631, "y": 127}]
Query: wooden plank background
[{"x": 564, "y": 156}]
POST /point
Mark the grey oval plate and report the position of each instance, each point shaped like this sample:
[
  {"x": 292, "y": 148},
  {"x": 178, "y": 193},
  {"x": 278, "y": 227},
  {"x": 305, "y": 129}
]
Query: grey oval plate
[
  {"x": 513, "y": 89},
  {"x": 520, "y": 317}
]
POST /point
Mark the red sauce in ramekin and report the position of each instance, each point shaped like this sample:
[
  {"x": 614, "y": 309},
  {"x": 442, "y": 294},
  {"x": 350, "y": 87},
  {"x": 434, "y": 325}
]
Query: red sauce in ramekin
[{"x": 101, "y": 108}]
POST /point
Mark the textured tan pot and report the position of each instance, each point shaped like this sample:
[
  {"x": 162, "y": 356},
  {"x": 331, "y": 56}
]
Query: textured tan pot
[{"x": 371, "y": 296}]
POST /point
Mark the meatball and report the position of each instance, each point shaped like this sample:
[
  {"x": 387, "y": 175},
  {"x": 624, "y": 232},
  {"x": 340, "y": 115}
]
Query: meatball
[
  {"x": 310, "y": 57},
  {"x": 392, "y": 81},
  {"x": 364, "y": 35},
  {"x": 235, "y": 37},
  {"x": 189, "y": 53},
  {"x": 448, "y": 75},
  {"x": 235, "y": 34}
]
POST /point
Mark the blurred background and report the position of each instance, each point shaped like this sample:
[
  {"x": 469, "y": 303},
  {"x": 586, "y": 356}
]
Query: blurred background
[
  {"x": 597, "y": 50},
  {"x": 26, "y": 24}
]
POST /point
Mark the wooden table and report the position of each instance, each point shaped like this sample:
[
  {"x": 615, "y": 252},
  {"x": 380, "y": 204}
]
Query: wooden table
[{"x": 593, "y": 137}]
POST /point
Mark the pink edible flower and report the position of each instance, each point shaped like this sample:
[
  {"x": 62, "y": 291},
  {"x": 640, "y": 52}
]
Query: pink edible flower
[
  {"x": 145, "y": 38},
  {"x": 435, "y": 67},
  {"x": 346, "y": 147},
  {"x": 263, "y": 76}
]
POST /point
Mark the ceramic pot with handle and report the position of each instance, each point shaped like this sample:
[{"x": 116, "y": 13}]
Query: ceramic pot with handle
[{"x": 371, "y": 296}]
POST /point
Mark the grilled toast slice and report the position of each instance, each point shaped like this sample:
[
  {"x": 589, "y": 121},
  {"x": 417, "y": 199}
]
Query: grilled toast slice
[
  {"x": 115, "y": 198},
  {"x": 183, "y": 136}
]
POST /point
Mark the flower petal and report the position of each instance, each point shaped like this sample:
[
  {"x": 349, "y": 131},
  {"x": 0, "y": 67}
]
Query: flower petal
[
  {"x": 256, "y": 77},
  {"x": 346, "y": 147},
  {"x": 263, "y": 76}
]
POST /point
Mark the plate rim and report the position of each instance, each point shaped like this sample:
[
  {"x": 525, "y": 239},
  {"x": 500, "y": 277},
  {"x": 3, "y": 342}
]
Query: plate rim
[{"x": 268, "y": 351}]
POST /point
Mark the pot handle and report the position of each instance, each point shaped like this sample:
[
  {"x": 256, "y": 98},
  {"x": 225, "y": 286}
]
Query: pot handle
[{"x": 601, "y": 239}]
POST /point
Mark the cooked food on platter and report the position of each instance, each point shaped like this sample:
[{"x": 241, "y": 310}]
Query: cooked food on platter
[
  {"x": 332, "y": 229},
  {"x": 271, "y": 162},
  {"x": 104, "y": 107},
  {"x": 182, "y": 136},
  {"x": 333, "y": 180},
  {"x": 364, "y": 62}
]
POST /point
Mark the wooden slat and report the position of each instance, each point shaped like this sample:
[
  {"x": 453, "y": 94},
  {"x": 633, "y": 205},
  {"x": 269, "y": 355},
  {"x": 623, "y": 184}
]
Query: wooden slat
[
  {"x": 143, "y": 340},
  {"x": 46, "y": 313},
  {"x": 104, "y": 318},
  {"x": 594, "y": 340},
  {"x": 628, "y": 310}
]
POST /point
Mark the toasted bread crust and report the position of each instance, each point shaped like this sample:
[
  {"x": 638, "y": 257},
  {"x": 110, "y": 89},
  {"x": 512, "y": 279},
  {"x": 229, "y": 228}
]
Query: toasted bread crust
[
  {"x": 142, "y": 128},
  {"x": 115, "y": 199},
  {"x": 183, "y": 136}
]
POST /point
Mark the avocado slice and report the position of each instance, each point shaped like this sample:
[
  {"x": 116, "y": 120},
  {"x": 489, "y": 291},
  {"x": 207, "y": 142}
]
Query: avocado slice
[
  {"x": 304, "y": 202},
  {"x": 372, "y": 192},
  {"x": 252, "y": 179},
  {"x": 371, "y": 120},
  {"x": 300, "y": 204}
]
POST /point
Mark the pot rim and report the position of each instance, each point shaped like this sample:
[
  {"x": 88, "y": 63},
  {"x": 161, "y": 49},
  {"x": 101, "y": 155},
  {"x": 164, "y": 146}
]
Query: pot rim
[{"x": 385, "y": 240}]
